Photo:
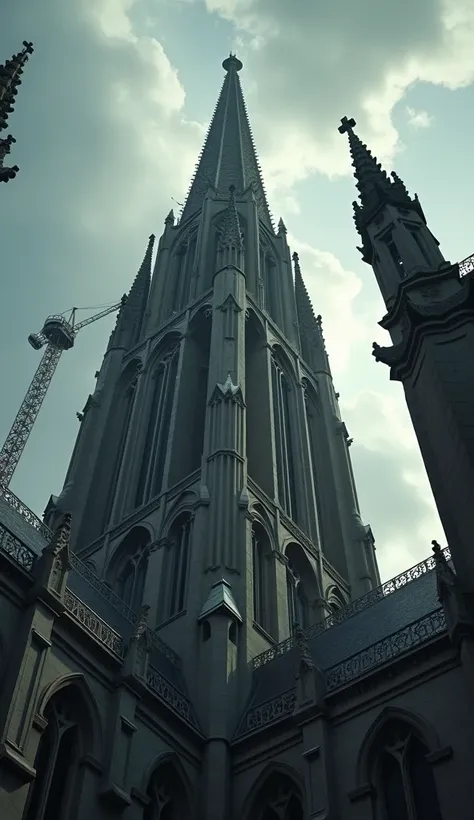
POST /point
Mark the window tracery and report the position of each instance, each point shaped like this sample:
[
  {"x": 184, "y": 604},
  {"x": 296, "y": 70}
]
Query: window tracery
[
  {"x": 406, "y": 789},
  {"x": 63, "y": 743},
  {"x": 167, "y": 795},
  {"x": 129, "y": 571},
  {"x": 278, "y": 799}
]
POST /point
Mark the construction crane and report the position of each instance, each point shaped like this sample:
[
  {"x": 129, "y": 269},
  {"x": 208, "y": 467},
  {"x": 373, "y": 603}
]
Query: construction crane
[{"x": 58, "y": 334}]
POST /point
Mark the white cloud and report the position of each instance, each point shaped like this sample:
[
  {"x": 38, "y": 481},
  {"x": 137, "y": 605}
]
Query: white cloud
[
  {"x": 316, "y": 62},
  {"x": 418, "y": 119}
]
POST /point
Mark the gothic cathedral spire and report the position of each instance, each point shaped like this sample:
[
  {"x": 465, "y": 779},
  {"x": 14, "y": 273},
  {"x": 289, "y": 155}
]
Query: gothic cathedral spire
[
  {"x": 396, "y": 239},
  {"x": 228, "y": 156},
  {"x": 430, "y": 318},
  {"x": 10, "y": 80}
]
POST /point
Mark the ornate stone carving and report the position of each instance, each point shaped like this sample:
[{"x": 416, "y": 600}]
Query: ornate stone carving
[{"x": 93, "y": 624}]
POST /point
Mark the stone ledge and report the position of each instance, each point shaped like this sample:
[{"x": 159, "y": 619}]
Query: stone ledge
[
  {"x": 116, "y": 798},
  {"x": 12, "y": 756}
]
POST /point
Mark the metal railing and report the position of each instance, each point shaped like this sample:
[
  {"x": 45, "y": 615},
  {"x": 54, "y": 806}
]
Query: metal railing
[
  {"x": 466, "y": 266},
  {"x": 28, "y": 515},
  {"x": 367, "y": 600}
]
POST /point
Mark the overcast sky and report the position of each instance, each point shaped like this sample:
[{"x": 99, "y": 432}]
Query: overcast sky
[{"x": 109, "y": 121}]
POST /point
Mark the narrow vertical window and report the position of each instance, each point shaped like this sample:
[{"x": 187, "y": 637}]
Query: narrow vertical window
[
  {"x": 261, "y": 550},
  {"x": 396, "y": 258},
  {"x": 123, "y": 415},
  {"x": 176, "y": 567},
  {"x": 283, "y": 441},
  {"x": 407, "y": 786},
  {"x": 150, "y": 479}
]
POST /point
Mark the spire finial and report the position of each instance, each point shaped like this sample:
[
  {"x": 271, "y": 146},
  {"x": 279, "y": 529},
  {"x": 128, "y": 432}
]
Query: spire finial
[
  {"x": 347, "y": 125},
  {"x": 232, "y": 62}
]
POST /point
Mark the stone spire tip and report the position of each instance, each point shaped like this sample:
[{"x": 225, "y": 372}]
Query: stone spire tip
[{"x": 232, "y": 62}]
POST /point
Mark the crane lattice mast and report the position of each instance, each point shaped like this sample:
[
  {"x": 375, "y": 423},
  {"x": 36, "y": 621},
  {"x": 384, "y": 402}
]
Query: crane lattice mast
[{"x": 58, "y": 334}]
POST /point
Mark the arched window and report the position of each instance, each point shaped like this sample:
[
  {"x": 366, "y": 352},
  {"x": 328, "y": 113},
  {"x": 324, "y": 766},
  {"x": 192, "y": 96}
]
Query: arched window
[
  {"x": 302, "y": 587},
  {"x": 177, "y": 275},
  {"x": 405, "y": 788},
  {"x": 284, "y": 439},
  {"x": 261, "y": 550},
  {"x": 64, "y": 741},
  {"x": 128, "y": 570},
  {"x": 163, "y": 385},
  {"x": 298, "y": 604},
  {"x": 167, "y": 795},
  {"x": 175, "y": 571},
  {"x": 118, "y": 431},
  {"x": 278, "y": 799}
]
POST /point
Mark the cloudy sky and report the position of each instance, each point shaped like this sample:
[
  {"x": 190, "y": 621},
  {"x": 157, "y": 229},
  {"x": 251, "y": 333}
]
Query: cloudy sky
[{"x": 109, "y": 121}]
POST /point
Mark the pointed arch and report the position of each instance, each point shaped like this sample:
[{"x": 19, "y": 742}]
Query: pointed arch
[
  {"x": 425, "y": 731},
  {"x": 162, "y": 376},
  {"x": 72, "y": 730},
  {"x": 174, "y": 579},
  {"x": 168, "y": 791},
  {"x": 82, "y": 688},
  {"x": 303, "y": 588},
  {"x": 260, "y": 514},
  {"x": 263, "y": 610},
  {"x": 394, "y": 760},
  {"x": 127, "y": 568},
  {"x": 258, "y": 400},
  {"x": 172, "y": 758},
  {"x": 334, "y": 598},
  {"x": 191, "y": 403},
  {"x": 183, "y": 503},
  {"x": 261, "y": 790},
  {"x": 216, "y": 228},
  {"x": 286, "y": 439}
]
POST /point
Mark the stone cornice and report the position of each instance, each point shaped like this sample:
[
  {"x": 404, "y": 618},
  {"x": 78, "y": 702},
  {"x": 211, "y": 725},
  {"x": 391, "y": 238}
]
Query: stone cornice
[{"x": 420, "y": 320}]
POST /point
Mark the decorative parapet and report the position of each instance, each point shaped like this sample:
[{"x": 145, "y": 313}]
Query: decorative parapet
[
  {"x": 28, "y": 515},
  {"x": 336, "y": 677},
  {"x": 93, "y": 624},
  {"x": 169, "y": 694},
  {"x": 102, "y": 588},
  {"x": 382, "y": 652},
  {"x": 116, "y": 602},
  {"x": 16, "y": 549},
  {"x": 466, "y": 266},
  {"x": 271, "y": 710},
  {"x": 370, "y": 598}
]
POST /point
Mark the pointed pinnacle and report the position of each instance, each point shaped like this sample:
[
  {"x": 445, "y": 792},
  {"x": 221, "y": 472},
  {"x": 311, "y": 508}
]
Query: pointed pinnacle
[
  {"x": 372, "y": 180},
  {"x": 281, "y": 226},
  {"x": 231, "y": 234},
  {"x": 10, "y": 79}
]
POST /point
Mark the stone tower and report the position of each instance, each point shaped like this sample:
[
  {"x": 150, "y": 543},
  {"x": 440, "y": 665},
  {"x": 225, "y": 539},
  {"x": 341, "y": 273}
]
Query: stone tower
[
  {"x": 211, "y": 472},
  {"x": 430, "y": 318}
]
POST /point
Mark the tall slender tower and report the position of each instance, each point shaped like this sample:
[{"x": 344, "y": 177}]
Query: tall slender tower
[
  {"x": 10, "y": 79},
  {"x": 211, "y": 478},
  {"x": 430, "y": 318}
]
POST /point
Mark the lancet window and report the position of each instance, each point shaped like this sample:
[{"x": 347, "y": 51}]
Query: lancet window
[
  {"x": 406, "y": 789},
  {"x": 130, "y": 568},
  {"x": 119, "y": 430},
  {"x": 261, "y": 550},
  {"x": 63, "y": 743},
  {"x": 163, "y": 385},
  {"x": 175, "y": 568},
  {"x": 167, "y": 796},
  {"x": 279, "y": 799},
  {"x": 298, "y": 604},
  {"x": 281, "y": 392}
]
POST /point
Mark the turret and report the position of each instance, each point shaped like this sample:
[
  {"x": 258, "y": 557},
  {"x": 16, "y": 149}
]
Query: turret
[{"x": 396, "y": 239}]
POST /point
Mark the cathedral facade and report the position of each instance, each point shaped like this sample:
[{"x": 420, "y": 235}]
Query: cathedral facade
[{"x": 197, "y": 630}]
